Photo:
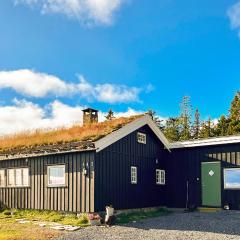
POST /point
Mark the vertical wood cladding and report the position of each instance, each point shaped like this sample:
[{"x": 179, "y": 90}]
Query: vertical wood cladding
[
  {"x": 185, "y": 165},
  {"x": 113, "y": 175},
  {"x": 76, "y": 196}
]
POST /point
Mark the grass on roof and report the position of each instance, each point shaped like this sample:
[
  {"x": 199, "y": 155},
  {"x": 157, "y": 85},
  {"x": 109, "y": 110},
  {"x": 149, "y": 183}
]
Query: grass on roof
[{"x": 90, "y": 132}]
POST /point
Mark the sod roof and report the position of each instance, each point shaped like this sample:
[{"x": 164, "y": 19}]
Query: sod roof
[{"x": 74, "y": 138}]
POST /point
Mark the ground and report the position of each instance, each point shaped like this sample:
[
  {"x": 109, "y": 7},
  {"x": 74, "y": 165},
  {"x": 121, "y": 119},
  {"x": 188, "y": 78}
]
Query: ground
[
  {"x": 176, "y": 226},
  {"x": 11, "y": 230}
]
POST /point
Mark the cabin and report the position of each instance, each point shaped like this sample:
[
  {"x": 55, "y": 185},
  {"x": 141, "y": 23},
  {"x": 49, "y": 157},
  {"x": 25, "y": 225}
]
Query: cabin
[{"x": 126, "y": 162}]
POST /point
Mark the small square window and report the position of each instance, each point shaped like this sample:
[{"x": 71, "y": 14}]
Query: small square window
[
  {"x": 56, "y": 175},
  {"x": 142, "y": 138},
  {"x": 160, "y": 177},
  {"x": 134, "y": 175}
]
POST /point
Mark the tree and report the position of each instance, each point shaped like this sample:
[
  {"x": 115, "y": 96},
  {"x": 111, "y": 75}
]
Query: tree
[
  {"x": 234, "y": 115},
  {"x": 171, "y": 130},
  {"x": 110, "y": 115},
  {"x": 185, "y": 118},
  {"x": 207, "y": 129},
  {"x": 222, "y": 126},
  {"x": 196, "y": 125},
  {"x": 156, "y": 119}
]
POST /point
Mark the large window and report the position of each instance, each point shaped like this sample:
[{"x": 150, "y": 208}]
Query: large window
[
  {"x": 232, "y": 178},
  {"x": 56, "y": 176},
  {"x": 134, "y": 175},
  {"x": 142, "y": 138},
  {"x": 18, "y": 177},
  {"x": 160, "y": 177},
  {"x": 2, "y": 178}
]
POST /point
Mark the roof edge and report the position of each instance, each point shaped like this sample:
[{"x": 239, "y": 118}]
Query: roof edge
[
  {"x": 129, "y": 128},
  {"x": 206, "y": 142}
]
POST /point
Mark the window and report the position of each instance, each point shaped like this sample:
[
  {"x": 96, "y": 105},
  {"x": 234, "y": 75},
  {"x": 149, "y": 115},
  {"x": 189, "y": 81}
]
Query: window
[
  {"x": 2, "y": 178},
  {"x": 18, "y": 177},
  {"x": 56, "y": 175},
  {"x": 232, "y": 178},
  {"x": 134, "y": 175},
  {"x": 142, "y": 138},
  {"x": 160, "y": 177}
]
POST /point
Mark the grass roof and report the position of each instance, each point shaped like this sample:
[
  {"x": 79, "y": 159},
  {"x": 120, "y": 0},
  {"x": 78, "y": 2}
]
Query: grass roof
[{"x": 90, "y": 132}]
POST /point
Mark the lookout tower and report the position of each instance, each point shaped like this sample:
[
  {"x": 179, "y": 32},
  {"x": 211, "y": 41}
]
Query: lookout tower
[{"x": 90, "y": 116}]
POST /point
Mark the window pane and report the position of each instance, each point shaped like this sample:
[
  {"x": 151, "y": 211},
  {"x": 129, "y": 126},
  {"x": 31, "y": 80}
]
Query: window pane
[
  {"x": 2, "y": 178},
  {"x": 56, "y": 175},
  {"x": 11, "y": 179},
  {"x": 232, "y": 178},
  {"x": 25, "y": 172},
  {"x": 18, "y": 177}
]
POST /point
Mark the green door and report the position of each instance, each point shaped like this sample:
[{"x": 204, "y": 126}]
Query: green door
[{"x": 211, "y": 184}]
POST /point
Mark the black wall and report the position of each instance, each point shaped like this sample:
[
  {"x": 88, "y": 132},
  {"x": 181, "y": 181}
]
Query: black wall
[
  {"x": 113, "y": 175},
  {"x": 185, "y": 165},
  {"x": 76, "y": 196}
]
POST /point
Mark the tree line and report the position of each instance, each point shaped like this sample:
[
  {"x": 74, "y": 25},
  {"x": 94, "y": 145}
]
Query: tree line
[{"x": 189, "y": 125}]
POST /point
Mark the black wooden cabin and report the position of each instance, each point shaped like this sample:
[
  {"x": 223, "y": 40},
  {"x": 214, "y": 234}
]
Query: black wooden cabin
[{"x": 132, "y": 167}]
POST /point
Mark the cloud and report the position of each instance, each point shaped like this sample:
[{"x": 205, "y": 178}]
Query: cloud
[
  {"x": 27, "y": 116},
  {"x": 234, "y": 16},
  {"x": 85, "y": 11},
  {"x": 34, "y": 84}
]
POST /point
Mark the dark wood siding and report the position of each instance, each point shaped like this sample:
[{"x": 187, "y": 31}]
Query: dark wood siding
[
  {"x": 77, "y": 196},
  {"x": 185, "y": 165},
  {"x": 112, "y": 173}
]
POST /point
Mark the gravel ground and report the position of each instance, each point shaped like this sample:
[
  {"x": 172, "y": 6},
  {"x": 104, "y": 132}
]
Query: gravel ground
[{"x": 176, "y": 226}]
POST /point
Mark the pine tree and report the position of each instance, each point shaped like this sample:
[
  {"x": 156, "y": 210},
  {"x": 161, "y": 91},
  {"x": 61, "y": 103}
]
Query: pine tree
[
  {"x": 171, "y": 130},
  {"x": 156, "y": 119},
  {"x": 196, "y": 125},
  {"x": 110, "y": 115},
  {"x": 222, "y": 126},
  {"x": 207, "y": 129},
  {"x": 234, "y": 116},
  {"x": 185, "y": 118}
]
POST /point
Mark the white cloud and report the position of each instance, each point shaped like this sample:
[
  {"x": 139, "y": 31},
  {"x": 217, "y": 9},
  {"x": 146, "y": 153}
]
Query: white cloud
[
  {"x": 86, "y": 11},
  {"x": 33, "y": 84},
  {"x": 26, "y": 116},
  {"x": 234, "y": 16}
]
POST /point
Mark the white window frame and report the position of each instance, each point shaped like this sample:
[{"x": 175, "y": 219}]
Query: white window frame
[
  {"x": 160, "y": 177},
  {"x": 15, "y": 183},
  {"x": 142, "y": 138},
  {"x": 134, "y": 175},
  {"x": 53, "y": 184},
  {"x": 2, "y": 185},
  {"x": 224, "y": 179}
]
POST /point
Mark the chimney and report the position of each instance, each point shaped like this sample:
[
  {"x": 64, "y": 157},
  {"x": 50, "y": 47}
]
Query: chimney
[{"x": 90, "y": 116}]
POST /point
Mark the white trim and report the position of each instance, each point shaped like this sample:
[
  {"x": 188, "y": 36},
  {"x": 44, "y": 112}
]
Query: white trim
[
  {"x": 129, "y": 128},
  {"x": 224, "y": 179},
  {"x": 206, "y": 142},
  {"x": 141, "y": 138},
  {"x": 134, "y": 175},
  {"x": 48, "y": 175}
]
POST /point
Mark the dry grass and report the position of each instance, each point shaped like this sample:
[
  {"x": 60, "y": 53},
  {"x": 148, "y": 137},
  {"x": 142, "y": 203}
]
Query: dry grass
[
  {"x": 91, "y": 132},
  {"x": 10, "y": 229}
]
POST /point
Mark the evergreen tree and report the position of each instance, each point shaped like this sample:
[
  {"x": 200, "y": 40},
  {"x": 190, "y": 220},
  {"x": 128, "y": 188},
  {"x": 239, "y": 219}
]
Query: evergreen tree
[
  {"x": 222, "y": 126},
  {"x": 207, "y": 129},
  {"x": 234, "y": 116},
  {"x": 185, "y": 119},
  {"x": 196, "y": 125},
  {"x": 110, "y": 115},
  {"x": 156, "y": 119},
  {"x": 171, "y": 130}
]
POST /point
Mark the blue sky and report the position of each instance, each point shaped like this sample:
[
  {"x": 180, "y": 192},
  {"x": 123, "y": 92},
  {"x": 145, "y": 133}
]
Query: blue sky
[{"x": 129, "y": 55}]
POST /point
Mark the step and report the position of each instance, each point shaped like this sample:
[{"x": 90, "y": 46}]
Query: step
[{"x": 209, "y": 209}]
